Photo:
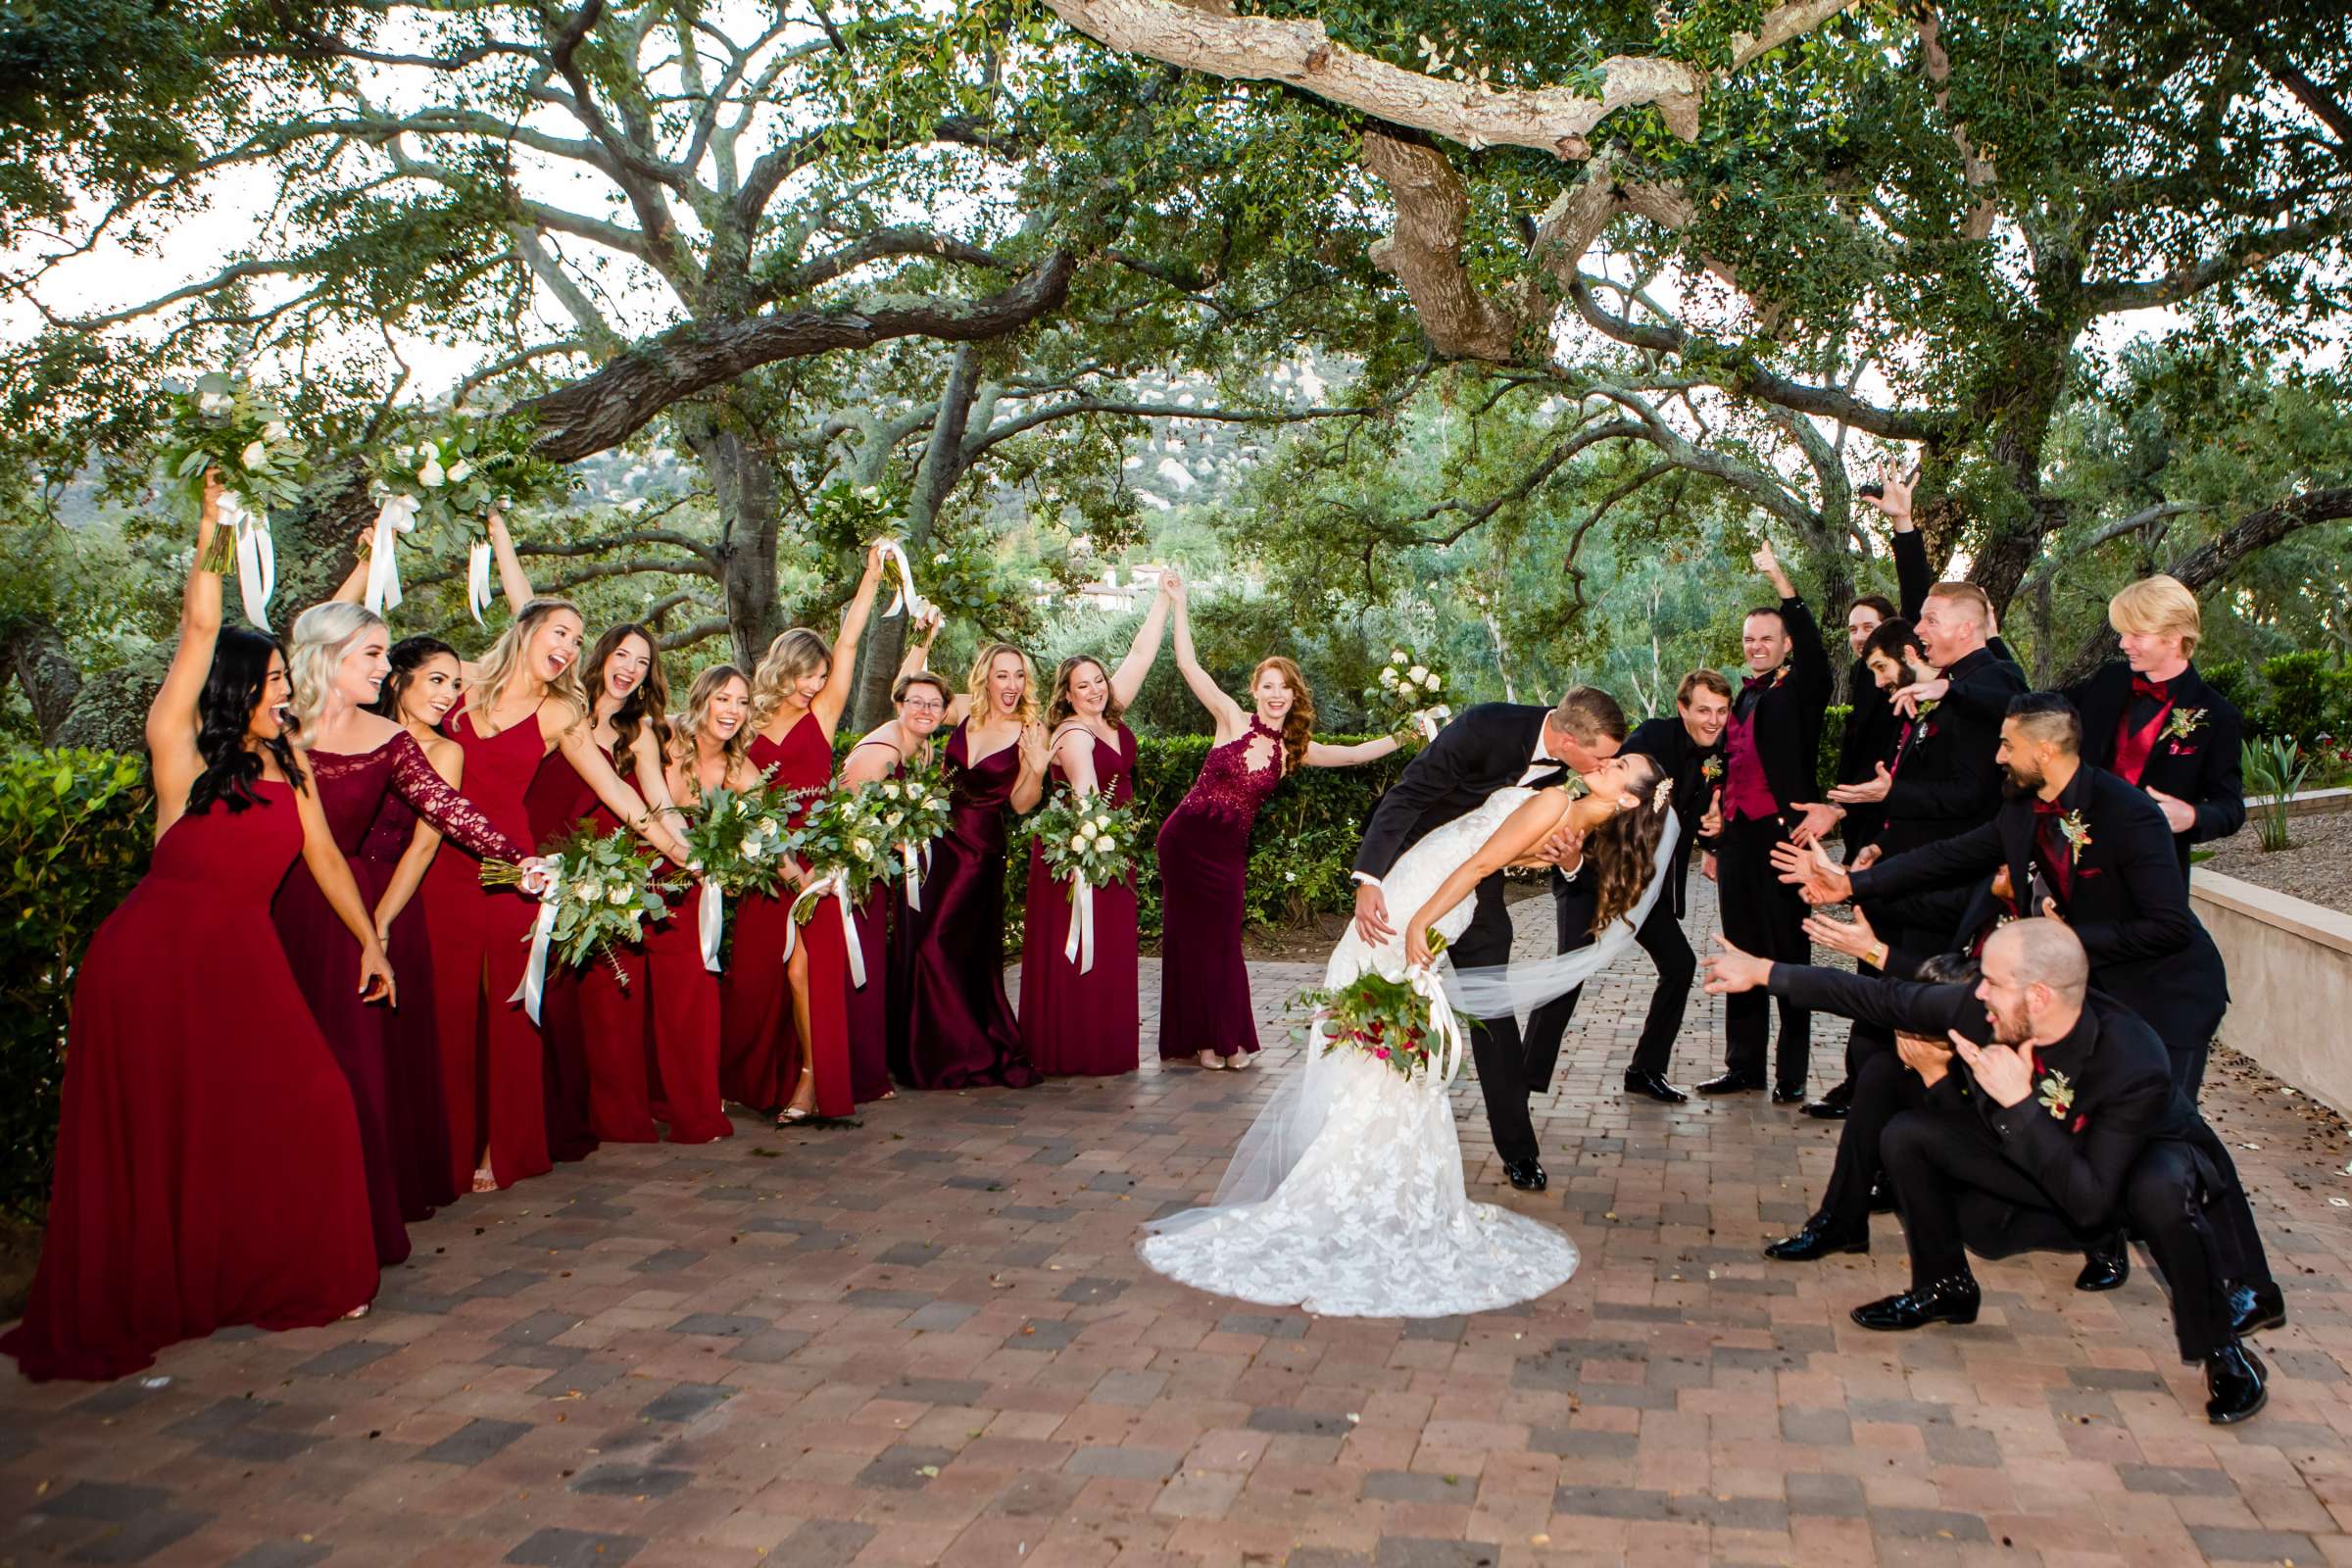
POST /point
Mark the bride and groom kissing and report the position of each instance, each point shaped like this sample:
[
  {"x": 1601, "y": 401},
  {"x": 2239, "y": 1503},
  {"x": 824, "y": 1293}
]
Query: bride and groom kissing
[{"x": 1347, "y": 1194}]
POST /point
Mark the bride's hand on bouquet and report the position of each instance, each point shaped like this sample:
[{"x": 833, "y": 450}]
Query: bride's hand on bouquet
[{"x": 1418, "y": 954}]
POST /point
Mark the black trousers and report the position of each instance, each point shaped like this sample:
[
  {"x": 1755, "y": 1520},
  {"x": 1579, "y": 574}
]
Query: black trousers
[
  {"x": 1765, "y": 917},
  {"x": 1958, "y": 1194},
  {"x": 1494, "y": 1044},
  {"x": 1660, "y": 936},
  {"x": 1884, "y": 1088}
]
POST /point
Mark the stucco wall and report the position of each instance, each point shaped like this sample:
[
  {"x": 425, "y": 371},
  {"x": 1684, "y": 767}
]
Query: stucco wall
[{"x": 2290, "y": 982}]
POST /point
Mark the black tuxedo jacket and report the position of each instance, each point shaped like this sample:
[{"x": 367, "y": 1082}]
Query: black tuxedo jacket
[
  {"x": 2202, "y": 768},
  {"x": 1484, "y": 749},
  {"x": 2128, "y": 901},
  {"x": 1785, "y": 711},
  {"x": 2115, "y": 1069},
  {"x": 1685, "y": 762},
  {"x": 1946, "y": 781}
]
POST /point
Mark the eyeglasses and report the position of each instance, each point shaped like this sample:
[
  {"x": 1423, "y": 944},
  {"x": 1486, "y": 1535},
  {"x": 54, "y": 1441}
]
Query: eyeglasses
[{"x": 913, "y": 706}]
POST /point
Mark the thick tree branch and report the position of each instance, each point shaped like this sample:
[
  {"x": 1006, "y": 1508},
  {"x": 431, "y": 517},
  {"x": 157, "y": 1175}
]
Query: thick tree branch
[{"x": 2241, "y": 254}]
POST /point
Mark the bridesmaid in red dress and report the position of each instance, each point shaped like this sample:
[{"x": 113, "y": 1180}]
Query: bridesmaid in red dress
[
  {"x": 959, "y": 1028},
  {"x": 521, "y": 701},
  {"x": 707, "y": 753},
  {"x": 784, "y": 1037},
  {"x": 1204, "y": 1011},
  {"x": 905, "y": 742},
  {"x": 418, "y": 693},
  {"x": 207, "y": 1156},
  {"x": 357, "y": 759},
  {"x": 1088, "y": 1021}
]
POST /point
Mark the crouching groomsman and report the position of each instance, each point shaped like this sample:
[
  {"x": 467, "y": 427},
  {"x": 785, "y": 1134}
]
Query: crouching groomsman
[
  {"x": 1770, "y": 747},
  {"x": 1687, "y": 744},
  {"x": 2150, "y": 720},
  {"x": 2050, "y": 1118}
]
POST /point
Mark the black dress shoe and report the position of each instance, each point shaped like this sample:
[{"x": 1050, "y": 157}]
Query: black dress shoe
[
  {"x": 1826, "y": 1109},
  {"x": 1788, "y": 1096},
  {"x": 1654, "y": 1085},
  {"x": 2105, "y": 1267},
  {"x": 1734, "y": 1082},
  {"x": 1947, "y": 1301},
  {"x": 1881, "y": 1195},
  {"x": 2236, "y": 1386},
  {"x": 1526, "y": 1174},
  {"x": 1814, "y": 1240},
  {"x": 2253, "y": 1309}
]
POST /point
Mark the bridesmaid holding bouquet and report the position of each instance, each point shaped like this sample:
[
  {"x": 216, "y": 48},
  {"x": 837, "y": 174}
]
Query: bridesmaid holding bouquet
[
  {"x": 1081, "y": 1021},
  {"x": 1204, "y": 1011},
  {"x": 902, "y": 744}
]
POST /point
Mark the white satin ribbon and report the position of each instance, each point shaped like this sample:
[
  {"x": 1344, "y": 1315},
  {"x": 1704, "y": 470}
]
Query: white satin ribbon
[
  {"x": 534, "y": 973},
  {"x": 1080, "y": 948},
  {"x": 1442, "y": 1024},
  {"x": 257, "y": 558},
  {"x": 905, "y": 598},
  {"x": 711, "y": 921},
  {"x": 1428, "y": 724},
  {"x": 397, "y": 515},
  {"x": 477, "y": 578},
  {"x": 838, "y": 885},
  {"x": 911, "y": 856}
]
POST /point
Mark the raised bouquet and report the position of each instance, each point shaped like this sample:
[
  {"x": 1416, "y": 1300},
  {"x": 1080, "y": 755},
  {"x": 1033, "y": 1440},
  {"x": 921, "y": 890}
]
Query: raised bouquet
[
  {"x": 451, "y": 477},
  {"x": 593, "y": 893},
  {"x": 914, "y": 809},
  {"x": 1088, "y": 844},
  {"x": 1406, "y": 694},
  {"x": 222, "y": 424},
  {"x": 1405, "y": 1024}
]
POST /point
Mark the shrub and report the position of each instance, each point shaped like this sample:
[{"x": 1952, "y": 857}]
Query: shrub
[
  {"x": 2307, "y": 698},
  {"x": 74, "y": 835},
  {"x": 2274, "y": 769}
]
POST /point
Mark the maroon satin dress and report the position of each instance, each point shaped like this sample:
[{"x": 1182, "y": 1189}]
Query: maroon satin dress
[
  {"x": 1089, "y": 1022},
  {"x": 959, "y": 1028},
  {"x": 758, "y": 1062},
  {"x": 493, "y": 1075},
  {"x": 416, "y": 1120},
  {"x": 207, "y": 1156},
  {"x": 325, "y": 957},
  {"x": 1203, "y": 870}
]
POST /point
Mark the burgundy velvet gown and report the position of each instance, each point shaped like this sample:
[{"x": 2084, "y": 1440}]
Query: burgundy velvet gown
[
  {"x": 325, "y": 957},
  {"x": 207, "y": 1156},
  {"x": 1088, "y": 1023},
  {"x": 493, "y": 1074},
  {"x": 1203, "y": 867},
  {"x": 759, "y": 1061},
  {"x": 595, "y": 1025},
  {"x": 959, "y": 1028},
  {"x": 870, "y": 1005},
  {"x": 416, "y": 1120}
]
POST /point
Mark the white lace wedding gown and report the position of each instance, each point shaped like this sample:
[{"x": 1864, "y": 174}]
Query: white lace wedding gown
[{"x": 1345, "y": 1196}]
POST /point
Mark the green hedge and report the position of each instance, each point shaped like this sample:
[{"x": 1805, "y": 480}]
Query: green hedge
[{"x": 74, "y": 832}]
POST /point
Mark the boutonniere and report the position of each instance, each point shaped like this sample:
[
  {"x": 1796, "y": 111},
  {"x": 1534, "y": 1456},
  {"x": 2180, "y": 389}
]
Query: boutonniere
[
  {"x": 1711, "y": 769},
  {"x": 1928, "y": 705},
  {"x": 2057, "y": 1095},
  {"x": 2077, "y": 836},
  {"x": 2185, "y": 722},
  {"x": 1780, "y": 675}
]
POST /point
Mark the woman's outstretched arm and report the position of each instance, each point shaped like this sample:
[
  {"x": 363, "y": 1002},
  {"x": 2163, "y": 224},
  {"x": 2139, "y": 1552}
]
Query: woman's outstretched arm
[{"x": 1520, "y": 833}]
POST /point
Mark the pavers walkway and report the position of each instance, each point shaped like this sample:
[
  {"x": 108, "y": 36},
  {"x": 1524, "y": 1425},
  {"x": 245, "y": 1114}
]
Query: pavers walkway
[{"x": 928, "y": 1340}]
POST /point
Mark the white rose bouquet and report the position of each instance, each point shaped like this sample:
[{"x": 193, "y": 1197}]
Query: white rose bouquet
[
  {"x": 221, "y": 423},
  {"x": 845, "y": 843},
  {"x": 1406, "y": 694},
  {"x": 1088, "y": 844},
  {"x": 593, "y": 893},
  {"x": 451, "y": 477},
  {"x": 737, "y": 838},
  {"x": 913, "y": 811}
]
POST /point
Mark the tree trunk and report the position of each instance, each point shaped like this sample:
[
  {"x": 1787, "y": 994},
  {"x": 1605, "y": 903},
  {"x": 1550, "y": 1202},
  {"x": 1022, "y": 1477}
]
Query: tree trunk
[
  {"x": 34, "y": 651},
  {"x": 743, "y": 478},
  {"x": 935, "y": 479}
]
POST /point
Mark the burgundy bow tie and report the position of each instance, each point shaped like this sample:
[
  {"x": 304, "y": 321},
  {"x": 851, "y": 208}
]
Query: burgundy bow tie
[
  {"x": 2042, "y": 807},
  {"x": 2141, "y": 686}
]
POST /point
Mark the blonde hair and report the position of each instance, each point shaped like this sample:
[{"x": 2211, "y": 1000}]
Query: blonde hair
[
  {"x": 975, "y": 685},
  {"x": 794, "y": 654},
  {"x": 323, "y": 635},
  {"x": 1298, "y": 724},
  {"x": 688, "y": 726},
  {"x": 2160, "y": 604},
  {"x": 1977, "y": 600},
  {"x": 502, "y": 666}
]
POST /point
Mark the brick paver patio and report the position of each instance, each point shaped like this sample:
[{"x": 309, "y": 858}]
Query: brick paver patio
[{"x": 928, "y": 1340}]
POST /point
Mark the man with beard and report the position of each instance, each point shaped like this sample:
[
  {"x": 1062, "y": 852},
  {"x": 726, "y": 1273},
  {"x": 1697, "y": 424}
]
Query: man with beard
[
  {"x": 1687, "y": 744},
  {"x": 2051, "y": 1117}
]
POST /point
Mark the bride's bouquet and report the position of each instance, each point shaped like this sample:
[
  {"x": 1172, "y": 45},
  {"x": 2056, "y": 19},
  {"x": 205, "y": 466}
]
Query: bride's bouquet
[
  {"x": 224, "y": 426},
  {"x": 1405, "y": 1024},
  {"x": 1408, "y": 694},
  {"x": 1088, "y": 844},
  {"x": 593, "y": 893}
]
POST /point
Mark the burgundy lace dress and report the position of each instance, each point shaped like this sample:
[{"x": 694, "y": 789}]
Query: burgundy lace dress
[
  {"x": 325, "y": 957},
  {"x": 1203, "y": 867}
]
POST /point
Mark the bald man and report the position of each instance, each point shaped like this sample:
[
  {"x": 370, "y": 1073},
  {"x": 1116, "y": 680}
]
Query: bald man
[{"x": 2048, "y": 1117}]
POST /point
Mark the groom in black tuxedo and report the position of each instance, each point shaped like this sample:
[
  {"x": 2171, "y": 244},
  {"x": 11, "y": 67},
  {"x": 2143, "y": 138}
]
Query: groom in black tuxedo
[{"x": 1490, "y": 747}]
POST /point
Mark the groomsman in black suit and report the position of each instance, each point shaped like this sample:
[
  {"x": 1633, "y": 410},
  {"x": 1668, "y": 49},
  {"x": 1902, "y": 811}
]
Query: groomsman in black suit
[
  {"x": 1490, "y": 747},
  {"x": 1769, "y": 752},
  {"x": 2151, "y": 720},
  {"x": 2049, "y": 1118},
  {"x": 1688, "y": 744}
]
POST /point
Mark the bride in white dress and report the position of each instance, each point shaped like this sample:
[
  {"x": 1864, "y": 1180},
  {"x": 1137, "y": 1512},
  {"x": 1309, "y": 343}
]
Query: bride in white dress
[{"x": 1345, "y": 1196}]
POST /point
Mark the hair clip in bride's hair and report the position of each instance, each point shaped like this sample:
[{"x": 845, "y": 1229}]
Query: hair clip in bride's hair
[{"x": 1661, "y": 794}]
